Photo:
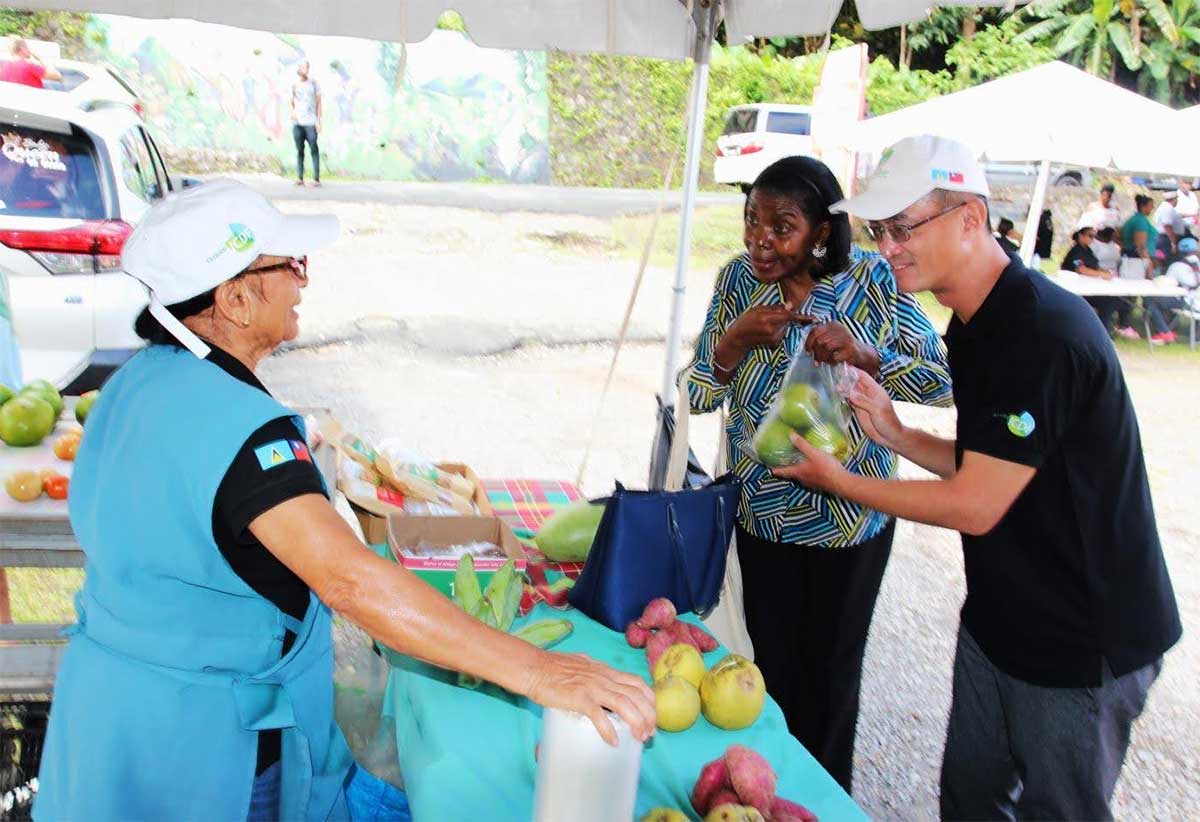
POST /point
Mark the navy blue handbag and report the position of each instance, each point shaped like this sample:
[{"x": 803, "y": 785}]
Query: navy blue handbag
[{"x": 652, "y": 544}]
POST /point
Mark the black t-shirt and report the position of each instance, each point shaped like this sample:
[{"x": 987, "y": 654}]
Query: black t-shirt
[
  {"x": 1074, "y": 573},
  {"x": 1079, "y": 256},
  {"x": 272, "y": 467}
]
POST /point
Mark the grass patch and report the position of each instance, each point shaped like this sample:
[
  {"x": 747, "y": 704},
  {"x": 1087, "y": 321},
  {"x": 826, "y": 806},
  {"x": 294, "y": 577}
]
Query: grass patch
[
  {"x": 716, "y": 237},
  {"x": 43, "y": 594}
]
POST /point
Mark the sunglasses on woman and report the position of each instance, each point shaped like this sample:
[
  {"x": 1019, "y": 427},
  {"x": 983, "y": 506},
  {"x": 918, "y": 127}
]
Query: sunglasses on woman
[{"x": 298, "y": 266}]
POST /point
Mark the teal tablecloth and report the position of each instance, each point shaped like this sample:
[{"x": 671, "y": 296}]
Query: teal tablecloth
[{"x": 470, "y": 754}]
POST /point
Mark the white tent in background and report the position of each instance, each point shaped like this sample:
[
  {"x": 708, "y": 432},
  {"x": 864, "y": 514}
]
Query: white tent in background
[
  {"x": 671, "y": 29},
  {"x": 1191, "y": 120},
  {"x": 1054, "y": 113}
]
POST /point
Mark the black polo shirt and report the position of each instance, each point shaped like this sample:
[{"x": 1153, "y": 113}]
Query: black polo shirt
[
  {"x": 253, "y": 486},
  {"x": 1074, "y": 573},
  {"x": 1080, "y": 256}
]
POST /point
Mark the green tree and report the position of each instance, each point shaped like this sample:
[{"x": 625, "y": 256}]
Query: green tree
[
  {"x": 1095, "y": 35},
  {"x": 1171, "y": 67},
  {"x": 993, "y": 52}
]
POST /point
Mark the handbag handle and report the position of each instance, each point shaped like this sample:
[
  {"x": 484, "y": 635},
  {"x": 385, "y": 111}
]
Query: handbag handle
[
  {"x": 677, "y": 458},
  {"x": 681, "y": 555}
]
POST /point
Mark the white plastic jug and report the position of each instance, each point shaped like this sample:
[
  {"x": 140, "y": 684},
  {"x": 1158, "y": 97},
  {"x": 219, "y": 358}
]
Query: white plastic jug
[{"x": 581, "y": 777}]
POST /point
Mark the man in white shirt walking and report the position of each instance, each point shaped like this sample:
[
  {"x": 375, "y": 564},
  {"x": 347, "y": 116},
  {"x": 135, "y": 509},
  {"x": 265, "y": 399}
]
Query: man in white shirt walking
[{"x": 306, "y": 119}]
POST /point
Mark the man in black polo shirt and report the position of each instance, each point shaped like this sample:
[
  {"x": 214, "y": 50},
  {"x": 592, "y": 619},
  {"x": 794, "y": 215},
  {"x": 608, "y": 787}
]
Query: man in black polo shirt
[{"x": 1069, "y": 607}]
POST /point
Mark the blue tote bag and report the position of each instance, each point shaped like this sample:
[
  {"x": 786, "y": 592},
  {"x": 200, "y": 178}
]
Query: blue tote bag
[{"x": 653, "y": 544}]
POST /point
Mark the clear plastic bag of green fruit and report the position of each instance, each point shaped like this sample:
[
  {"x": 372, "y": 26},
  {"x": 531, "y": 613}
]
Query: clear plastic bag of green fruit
[{"x": 809, "y": 404}]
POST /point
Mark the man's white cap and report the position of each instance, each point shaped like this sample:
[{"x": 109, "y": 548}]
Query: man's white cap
[
  {"x": 909, "y": 170},
  {"x": 191, "y": 242},
  {"x": 1171, "y": 195}
]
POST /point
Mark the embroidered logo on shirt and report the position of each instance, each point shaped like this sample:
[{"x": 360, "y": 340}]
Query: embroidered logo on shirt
[
  {"x": 276, "y": 453},
  {"x": 1022, "y": 424},
  {"x": 300, "y": 450}
]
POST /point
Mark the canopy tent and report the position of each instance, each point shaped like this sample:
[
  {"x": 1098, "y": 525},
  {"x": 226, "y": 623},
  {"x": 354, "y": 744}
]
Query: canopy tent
[
  {"x": 1054, "y": 113},
  {"x": 1191, "y": 119},
  {"x": 671, "y": 29}
]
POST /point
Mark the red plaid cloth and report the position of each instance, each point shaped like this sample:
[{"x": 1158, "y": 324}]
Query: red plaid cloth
[{"x": 524, "y": 504}]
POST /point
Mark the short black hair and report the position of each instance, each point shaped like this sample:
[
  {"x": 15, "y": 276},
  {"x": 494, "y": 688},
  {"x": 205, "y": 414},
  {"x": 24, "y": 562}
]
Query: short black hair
[
  {"x": 1105, "y": 235},
  {"x": 1005, "y": 225},
  {"x": 1140, "y": 200},
  {"x": 1109, "y": 187},
  {"x": 810, "y": 184}
]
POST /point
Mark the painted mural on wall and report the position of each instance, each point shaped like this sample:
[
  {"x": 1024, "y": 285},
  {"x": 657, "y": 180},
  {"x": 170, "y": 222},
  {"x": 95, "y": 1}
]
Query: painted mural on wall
[{"x": 446, "y": 110}]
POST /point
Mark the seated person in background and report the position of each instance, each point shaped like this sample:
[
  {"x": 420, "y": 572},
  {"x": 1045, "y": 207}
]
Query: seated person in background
[
  {"x": 1045, "y": 238},
  {"x": 1008, "y": 236},
  {"x": 1106, "y": 248},
  {"x": 1185, "y": 270},
  {"x": 1082, "y": 260}
]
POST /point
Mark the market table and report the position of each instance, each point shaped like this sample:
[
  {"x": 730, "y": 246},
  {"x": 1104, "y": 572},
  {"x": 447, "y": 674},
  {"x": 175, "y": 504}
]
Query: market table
[
  {"x": 1119, "y": 287},
  {"x": 469, "y": 754}
]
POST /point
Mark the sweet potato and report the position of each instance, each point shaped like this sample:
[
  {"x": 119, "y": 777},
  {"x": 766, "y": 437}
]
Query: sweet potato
[
  {"x": 680, "y": 634},
  {"x": 752, "y": 777},
  {"x": 655, "y": 646},
  {"x": 714, "y": 778},
  {"x": 704, "y": 640},
  {"x": 658, "y": 613},
  {"x": 636, "y": 635},
  {"x": 783, "y": 810},
  {"x": 725, "y": 796}
]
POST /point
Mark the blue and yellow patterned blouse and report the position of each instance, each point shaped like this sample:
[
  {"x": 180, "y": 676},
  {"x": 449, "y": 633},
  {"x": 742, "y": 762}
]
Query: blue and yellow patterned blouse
[{"x": 864, "y": 298}]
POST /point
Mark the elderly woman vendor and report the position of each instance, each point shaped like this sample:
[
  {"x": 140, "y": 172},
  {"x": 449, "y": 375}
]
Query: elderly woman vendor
[{"x": 198, "y": 680}]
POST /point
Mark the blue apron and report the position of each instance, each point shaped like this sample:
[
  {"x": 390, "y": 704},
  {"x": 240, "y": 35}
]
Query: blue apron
[{"x": 174, "y": 664}]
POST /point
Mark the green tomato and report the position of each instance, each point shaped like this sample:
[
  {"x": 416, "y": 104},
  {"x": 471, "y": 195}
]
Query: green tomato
[
  {"x": 26, "y": 419},
  {"x": 773, "y": 444},
  {"x": 47, "y": 392},
  {"x": 84, "y": 406}
]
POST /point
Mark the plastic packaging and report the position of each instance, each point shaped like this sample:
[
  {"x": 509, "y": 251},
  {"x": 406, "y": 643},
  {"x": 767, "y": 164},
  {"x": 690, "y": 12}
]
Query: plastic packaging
[
  {"x": 808, "y": 403},
  {"x": 581, "y": 777}
]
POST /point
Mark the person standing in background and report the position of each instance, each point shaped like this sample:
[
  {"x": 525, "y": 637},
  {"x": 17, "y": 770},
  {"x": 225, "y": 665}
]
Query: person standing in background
[
  {"x": 306, "y": 122},
  {"x": 1188, "y": 206},
  {"x": 25, "y": 68},
  {"x": 1102, "y": 213}
]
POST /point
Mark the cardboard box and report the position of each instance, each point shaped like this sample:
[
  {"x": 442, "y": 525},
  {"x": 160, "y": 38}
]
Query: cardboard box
[
  {"x": 374, "y": 522},
  {"x": 404, "y": 530}
]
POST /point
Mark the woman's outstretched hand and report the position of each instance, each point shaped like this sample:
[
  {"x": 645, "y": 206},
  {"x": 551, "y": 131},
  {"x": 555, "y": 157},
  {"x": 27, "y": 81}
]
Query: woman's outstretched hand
[{"x": 578, "y": 683}]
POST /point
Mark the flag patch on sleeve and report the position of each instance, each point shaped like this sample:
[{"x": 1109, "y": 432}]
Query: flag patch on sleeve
[
  {"x": 275, "y": 453},
  {"x": 300, "y": 450}
]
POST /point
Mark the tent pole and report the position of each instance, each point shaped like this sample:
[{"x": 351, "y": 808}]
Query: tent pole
[
  {"x": 1029, "y": 238},
  {"x": 697, "y": 105}
]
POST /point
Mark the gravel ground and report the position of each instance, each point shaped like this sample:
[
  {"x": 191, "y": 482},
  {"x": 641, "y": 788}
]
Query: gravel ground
[{"x": 481, "y": 338}]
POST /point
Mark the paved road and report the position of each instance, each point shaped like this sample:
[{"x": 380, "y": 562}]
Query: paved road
[{"x": 589, "y": 202}]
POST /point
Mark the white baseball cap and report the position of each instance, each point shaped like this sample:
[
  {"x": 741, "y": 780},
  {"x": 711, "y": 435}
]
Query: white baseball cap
[
  {"x": 1171, "y": 195},
  {"x": 193, "y": 241},
  {"x": 909, "y": 170}
]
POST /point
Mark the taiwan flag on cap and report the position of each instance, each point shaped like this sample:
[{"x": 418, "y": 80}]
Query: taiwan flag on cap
[{"x": 300, "y": 450}]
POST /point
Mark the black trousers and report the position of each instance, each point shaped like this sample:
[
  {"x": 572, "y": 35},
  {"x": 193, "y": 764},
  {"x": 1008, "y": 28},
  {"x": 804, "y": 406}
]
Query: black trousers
[
  {"x": 301, "y": 135},
  {"x": 808, "y": 610}
]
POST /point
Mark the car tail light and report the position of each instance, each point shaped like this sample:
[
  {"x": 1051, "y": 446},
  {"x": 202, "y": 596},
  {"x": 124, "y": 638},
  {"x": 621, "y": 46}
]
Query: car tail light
[
  {"x": 750, "y": 148},
  {"x": 719, "y": 152},
  {"x": 138, "y": 109},
  {"x": 92, "y": 247}
]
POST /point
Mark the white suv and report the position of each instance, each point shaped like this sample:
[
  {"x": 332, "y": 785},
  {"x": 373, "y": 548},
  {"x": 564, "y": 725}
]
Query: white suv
[
  {"x": 757, "y": 135},
  {"x": 74, "y": 180}
]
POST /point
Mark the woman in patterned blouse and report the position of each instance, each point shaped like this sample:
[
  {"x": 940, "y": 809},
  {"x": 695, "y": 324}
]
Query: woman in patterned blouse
[{"x": 811, "y": 564}]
